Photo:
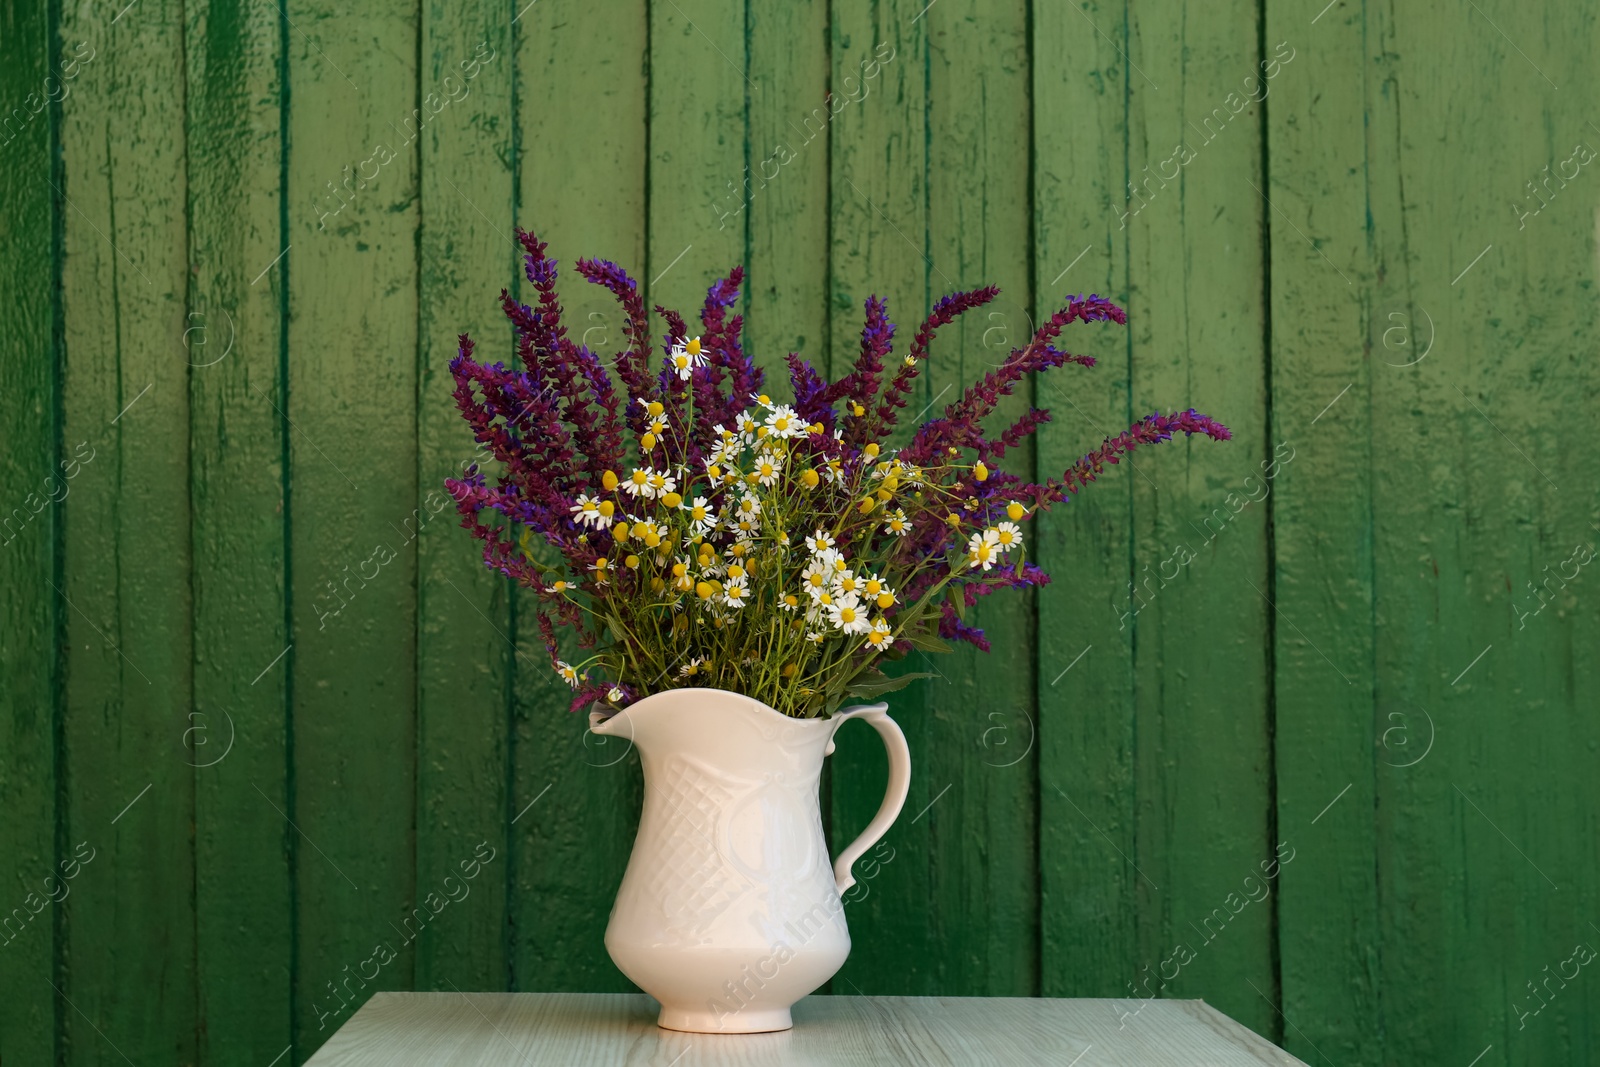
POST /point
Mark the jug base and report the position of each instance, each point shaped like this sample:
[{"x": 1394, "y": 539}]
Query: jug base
[{"x": 692, "y": 1021}]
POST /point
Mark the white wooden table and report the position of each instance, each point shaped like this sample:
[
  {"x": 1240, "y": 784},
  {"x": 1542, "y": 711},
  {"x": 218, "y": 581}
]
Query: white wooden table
[{"x": 615, "y": 1029}]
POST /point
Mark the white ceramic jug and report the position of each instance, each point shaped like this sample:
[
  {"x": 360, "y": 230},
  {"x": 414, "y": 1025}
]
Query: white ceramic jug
[{"x": 729, "y": 911}]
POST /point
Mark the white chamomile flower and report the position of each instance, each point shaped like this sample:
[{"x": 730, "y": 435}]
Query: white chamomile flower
[
  {"x": 638, "y": 483},
  {"x": 1007, "y": 535},
  {"x": 983, "y": 551},
  {"x": 784, "y": 422},
  {"x": 878, "y": 636},
  {"x": 814, "y": 637},
  {"x": 749, "y": 506},
  {"x": 702, "y": 517},
  {"x": 587, "y": 510},
  {"x": 690, "y": 669},
  {"x": 790, "y": 602},
  {"x": 683, "y": 358},
  {"x": 735, "y": 592},
  {"x": 747, "y": 428},
  {"x": 877, "y": 590},
  {"x": 847, "y": 615},
  {"x": 657, "y": 426},
  {"x": 602, "y": 570},
  {"x": 662, "y": 483},
  {"x": 845, "y": 583},
  {"x": 568, "y": 672},
  {"x": 819, "y": 542},
  {"x": 815, "y": 577},
  {"x": 766, "y": 468},
  {"x": 614, "y": 695},
  {"x": 896, "y": 523}
]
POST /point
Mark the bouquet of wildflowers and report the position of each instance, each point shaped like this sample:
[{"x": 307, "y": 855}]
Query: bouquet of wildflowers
[{"x": 698, "y": 532}]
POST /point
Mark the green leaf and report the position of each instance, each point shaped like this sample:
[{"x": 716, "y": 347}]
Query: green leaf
[
  {"x": 873, "y": 682},
  {"x": 926, "y": 642}
]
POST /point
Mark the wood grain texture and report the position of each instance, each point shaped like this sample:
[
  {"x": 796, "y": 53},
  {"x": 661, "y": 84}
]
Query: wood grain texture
[
  {"x": 575, "y": 799},
  {"x": 351, "y": 414},
  {"x": 485, "y": 1029},
  {"x": 128, "y": 956},
  {"x": 785, "y": 216},
  {"x": 1379, "y": 659},
  {"x": 32, "y": 480},
  {"x": 464, "y": 644},
  {"x": 1089, "y": 881},
  {"x": 977, "y": 711},
  {"x": 1482, "y": 501},
  {"x": 1331, "y": 740},
  {"x": 1201, "y": 693},
  {"x": 235, "y": 737}
]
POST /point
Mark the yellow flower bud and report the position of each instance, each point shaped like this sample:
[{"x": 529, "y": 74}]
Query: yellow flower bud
[
  {"x": 735, "y": 571},
  {"x": 763, "y": 400},
  {"x": 672, "y": 500},
  {"x": 815, "y": 427},
  {"x": 652, "y": 539},
  {"x": 620, "y": 531},
  {"x": 714, "y": 471},
  {"x": 678, "y": 569},
  {"x": 655, "y": 408},
  {"x": 789, "y": 670},
  {"x": 809, "y": 478},
  {"x": 609, "y": 480},
  {"x": 607, "y": 508},
  {"x": 1015, "y": 511},
  {"x": 980, "y": 472},
  {"x": 885, "y": 600},
  {"x": 884, "y": 494},
  {"x": 953, "y": 519},
  {"x": 703, "y": 590},
  {"x": 866, "y": 504},
  {"x": 693, "y": 347},
  {"x": 857, "y": 410},
  {"x": 871, "y": 449},
  {"x": 648, "y": 441},
  {"x": 632, "y": 562}
]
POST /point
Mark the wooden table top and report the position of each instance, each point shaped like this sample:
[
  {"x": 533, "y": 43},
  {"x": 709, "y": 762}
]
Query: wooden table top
[{"x": 606, "y": 1029}]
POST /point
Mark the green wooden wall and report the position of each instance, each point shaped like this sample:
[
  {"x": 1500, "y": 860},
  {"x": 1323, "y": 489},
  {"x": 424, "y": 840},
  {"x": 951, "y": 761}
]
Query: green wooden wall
[{"x": 1304, "y": 726}]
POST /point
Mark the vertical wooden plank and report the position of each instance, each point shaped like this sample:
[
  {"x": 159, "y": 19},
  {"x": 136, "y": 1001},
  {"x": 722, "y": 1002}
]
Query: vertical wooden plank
[
  {"x": 981, "y": 834},
  {"x": 787, "y": 206},
  {"x": 32, "y": 484},
  {"x": 1088, "y": 884},
  {"x": 235, "y": 735},
  {"x": 356, "y": 113},
  {"x": 464, "y": 642},
  {"x": 1196, "y": 321},
  {"x": 879, "y": 207},
  {"x": 1484, "y": 511},
  {"x": 129, "y": 975},
  {"x": 700, "y": 88},
  {"x": 1325, "y": 298},
  {"x": 575, "y": 804}
]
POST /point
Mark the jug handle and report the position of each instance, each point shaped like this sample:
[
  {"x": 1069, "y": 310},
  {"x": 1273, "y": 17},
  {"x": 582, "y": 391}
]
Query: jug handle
[{"x": 893, "y": 799}]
